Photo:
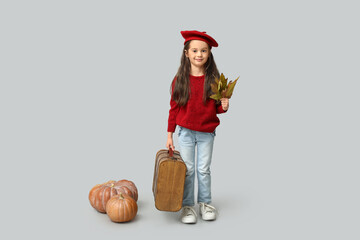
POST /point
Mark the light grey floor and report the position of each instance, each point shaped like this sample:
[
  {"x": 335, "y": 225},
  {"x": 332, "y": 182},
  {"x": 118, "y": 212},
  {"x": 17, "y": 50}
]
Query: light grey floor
[{"x": 84, "y": 98}]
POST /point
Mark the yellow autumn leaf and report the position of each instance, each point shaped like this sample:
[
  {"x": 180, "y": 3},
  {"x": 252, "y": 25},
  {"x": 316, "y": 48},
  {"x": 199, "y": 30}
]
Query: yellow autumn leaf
[{"x": 221, "y": 88}]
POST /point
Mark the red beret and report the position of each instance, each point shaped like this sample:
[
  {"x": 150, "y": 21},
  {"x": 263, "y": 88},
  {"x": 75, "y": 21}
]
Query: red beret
[{"x": 196, "y": 35}]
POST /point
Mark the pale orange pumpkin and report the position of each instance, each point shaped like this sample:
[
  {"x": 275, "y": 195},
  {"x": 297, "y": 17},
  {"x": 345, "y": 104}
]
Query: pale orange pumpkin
[
  {"x": 125, "y": 190},
  {"x": 101, "y": 193},
  {"x": 121, "y": 208},
  {"x": 130, "y": 185}
]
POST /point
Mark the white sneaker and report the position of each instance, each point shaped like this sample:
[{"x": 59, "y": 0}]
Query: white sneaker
[
  {"x": 188, "y": 215},
  {"x": 207, "y": 212}
]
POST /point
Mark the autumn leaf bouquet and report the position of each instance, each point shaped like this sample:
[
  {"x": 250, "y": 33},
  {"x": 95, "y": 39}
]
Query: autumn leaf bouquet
[{"x": 221, "y": 88}]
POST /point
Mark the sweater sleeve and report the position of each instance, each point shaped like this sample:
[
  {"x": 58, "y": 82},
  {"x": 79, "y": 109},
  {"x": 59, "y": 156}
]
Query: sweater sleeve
[
  {"x": 219, "y": 109},
  {"x": 174, "y": 109}
]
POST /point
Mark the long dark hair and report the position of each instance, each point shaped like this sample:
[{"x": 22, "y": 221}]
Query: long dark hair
[{"x": 181, "y": 91}]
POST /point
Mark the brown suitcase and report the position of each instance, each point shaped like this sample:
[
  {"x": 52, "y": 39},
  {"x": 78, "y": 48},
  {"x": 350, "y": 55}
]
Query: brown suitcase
[{"x": 169, "y": 180}]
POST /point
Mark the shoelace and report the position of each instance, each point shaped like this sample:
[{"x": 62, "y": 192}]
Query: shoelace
[
  {"x": 208, "y": 208},
  {"x": 187, "y": 211}
]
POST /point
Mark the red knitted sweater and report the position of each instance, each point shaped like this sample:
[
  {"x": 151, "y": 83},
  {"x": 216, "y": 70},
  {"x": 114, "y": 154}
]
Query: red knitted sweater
[{"x": 195, "y": 115}]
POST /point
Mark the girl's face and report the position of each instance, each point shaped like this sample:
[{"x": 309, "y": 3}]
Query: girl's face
[{"x": 198, "y": 53}]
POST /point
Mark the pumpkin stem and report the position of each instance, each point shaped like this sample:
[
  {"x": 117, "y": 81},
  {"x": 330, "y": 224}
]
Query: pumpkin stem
[{"x": 121, "y": 196}]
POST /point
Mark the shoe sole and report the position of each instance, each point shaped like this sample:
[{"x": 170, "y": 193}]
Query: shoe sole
[
  {"x": 188, "y": 221},
  {"x": 207, "y": 219}
]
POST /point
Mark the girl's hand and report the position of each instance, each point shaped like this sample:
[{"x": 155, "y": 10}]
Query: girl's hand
[
  {"x": 225, "y": 103},
  {"x": 170, "y": 142}
]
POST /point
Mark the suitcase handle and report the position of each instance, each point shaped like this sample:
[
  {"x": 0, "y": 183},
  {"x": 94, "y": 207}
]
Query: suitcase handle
[{"x": 171, "y": 152}]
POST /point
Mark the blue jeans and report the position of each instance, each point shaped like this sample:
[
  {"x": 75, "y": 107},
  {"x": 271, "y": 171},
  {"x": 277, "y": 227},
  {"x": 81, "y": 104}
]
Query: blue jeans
[{"x": 203, "y": 141}]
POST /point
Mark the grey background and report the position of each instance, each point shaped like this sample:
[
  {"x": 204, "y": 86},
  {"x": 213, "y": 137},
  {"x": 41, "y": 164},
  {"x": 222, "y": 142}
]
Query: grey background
[{"x": 84, "y": 98}]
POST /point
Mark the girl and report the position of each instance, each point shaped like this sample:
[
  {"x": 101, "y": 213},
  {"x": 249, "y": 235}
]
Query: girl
[{"x": 195, "y": 114}]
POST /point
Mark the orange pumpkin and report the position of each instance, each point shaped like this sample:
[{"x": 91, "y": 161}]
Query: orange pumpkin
[
  {"x": 121, "y": 208},
  {"x": 101, "y": 193},
  {"x": 124, "y": 190},
  {"x": 130, "y": 185}
]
